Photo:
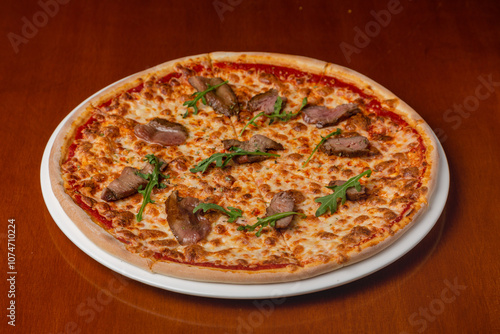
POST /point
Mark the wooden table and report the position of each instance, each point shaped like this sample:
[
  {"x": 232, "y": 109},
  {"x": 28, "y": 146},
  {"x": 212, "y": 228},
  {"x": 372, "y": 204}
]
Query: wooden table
[{"x": 442, "y": 58}]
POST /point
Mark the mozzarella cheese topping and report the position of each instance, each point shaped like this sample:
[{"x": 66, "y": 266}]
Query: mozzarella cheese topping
[{"x": 107, "y": 144}]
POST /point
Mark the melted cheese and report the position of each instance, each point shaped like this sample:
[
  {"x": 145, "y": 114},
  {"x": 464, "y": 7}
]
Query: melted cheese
[{"x": 109, "y": 144}]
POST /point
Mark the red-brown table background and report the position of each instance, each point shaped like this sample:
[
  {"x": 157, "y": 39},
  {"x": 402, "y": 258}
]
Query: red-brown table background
[{"x": 441, "y": 57}]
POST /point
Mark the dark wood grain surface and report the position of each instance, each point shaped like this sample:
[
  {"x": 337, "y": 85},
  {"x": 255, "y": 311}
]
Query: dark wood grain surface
[{"x": 441, "y": 57}]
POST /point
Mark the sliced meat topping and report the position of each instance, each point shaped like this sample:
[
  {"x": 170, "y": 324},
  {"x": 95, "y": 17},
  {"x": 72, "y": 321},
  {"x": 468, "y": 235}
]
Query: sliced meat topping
[
  {"x": 187, "y": 227},
  {"x": 348, "y": 147},
  {"x": 265, "y": 102},
  {"x": 284, "y": 201},
  {"x": 256, "y": 143},
  {"x": 128, "y": 182},
  {"x": 222, "y": 99},
  {"x": 125, "y": 185},
  {"x": 323, "y": 116},
  {"x": 352, "y": 194},
  {"x": 162, "y": 132}
]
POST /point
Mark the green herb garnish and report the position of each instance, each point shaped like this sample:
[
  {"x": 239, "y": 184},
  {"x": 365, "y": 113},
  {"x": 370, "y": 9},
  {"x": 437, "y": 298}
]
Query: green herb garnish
[
  {"x": 222, "y": 159},
  {"x": 154, "y": 181},
  {"x": 277, "y": 114},
  {"x": 267, "y": 221},
  {"x": 197, "y": 96},
  {"x": 329, "y": 202},
  {"x": 323, "y": 139},
  {"x": 304, "y": 102},
  {"x": 233, "y": 213}
]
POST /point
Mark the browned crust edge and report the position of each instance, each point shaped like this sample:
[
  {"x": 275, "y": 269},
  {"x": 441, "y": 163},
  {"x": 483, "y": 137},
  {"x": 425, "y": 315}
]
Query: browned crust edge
[
  {"x": 301, "y": 63},
  {"x": 217, "y": 275}
]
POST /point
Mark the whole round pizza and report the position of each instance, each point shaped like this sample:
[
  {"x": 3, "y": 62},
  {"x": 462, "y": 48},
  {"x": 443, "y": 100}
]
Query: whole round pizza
[{"x": 244, "y": 168}]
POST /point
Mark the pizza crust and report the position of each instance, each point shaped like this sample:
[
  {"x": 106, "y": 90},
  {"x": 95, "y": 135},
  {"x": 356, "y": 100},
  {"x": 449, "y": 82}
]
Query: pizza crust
[
  {"x": 296, "y": 62},
  {"x": 217, "y": 275},
  {"x": 108, "y": 243}
]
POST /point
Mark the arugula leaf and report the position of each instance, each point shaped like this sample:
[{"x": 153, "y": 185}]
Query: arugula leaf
[
  {"x": 154, "y": 181},
  {"x": 304, "y": 102},
  {"x": 323, "y": 139},
  {"x": 197, "y": 96},
  {"x": 252, "y": 121},
  {"x": 233, "y": 214},
  {"x": 329, "y": 202},
  {"x": 268, "y": 221},
  {"x": 222, "y": 159},
  {"x": 277, "y": 114}
]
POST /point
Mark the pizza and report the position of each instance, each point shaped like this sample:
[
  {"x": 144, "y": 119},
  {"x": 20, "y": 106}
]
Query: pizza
[{"x": 244, "y": 168}]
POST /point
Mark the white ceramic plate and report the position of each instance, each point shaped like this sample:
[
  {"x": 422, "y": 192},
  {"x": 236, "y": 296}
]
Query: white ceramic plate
[{"x": 239, "y": 291}]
